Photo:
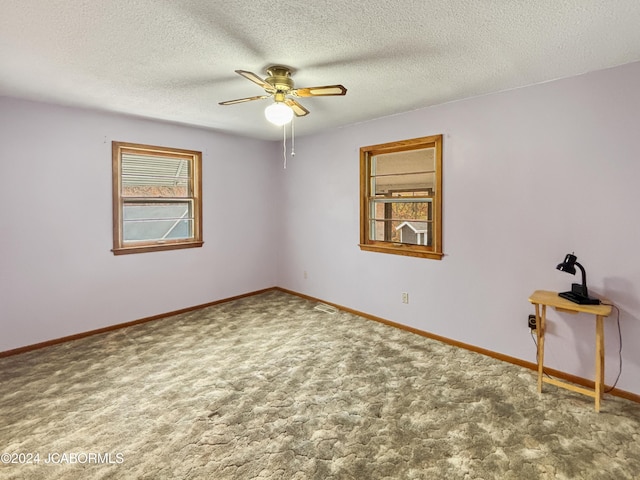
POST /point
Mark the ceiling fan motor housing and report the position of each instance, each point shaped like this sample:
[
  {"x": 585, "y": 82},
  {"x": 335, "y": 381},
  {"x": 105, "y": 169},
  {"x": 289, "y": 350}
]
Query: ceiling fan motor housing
[{"x": 280, "y": 78}]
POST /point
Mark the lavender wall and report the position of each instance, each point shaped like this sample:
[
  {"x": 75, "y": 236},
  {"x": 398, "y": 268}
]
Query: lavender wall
[
  {"x": 57, "y": 274},
  {"x": 529, "y": 175}
]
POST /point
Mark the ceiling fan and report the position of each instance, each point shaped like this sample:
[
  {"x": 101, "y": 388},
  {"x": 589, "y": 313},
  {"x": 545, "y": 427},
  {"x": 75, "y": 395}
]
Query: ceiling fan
[{"x": 279, "y": 85}]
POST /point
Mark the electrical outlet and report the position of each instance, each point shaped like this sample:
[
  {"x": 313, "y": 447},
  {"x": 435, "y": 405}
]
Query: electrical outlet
[
  {"x": 531, "y": 322},
  {"x": 405, "y": 297},
  {"x": 305, "y": 274}
]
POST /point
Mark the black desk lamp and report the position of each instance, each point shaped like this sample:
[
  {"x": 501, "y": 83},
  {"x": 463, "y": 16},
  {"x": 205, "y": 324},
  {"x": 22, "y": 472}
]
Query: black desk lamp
[{"x": 579, "y": 293}]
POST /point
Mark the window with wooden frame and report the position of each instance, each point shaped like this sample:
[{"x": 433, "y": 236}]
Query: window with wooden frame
[
  {"x": 401, "y": 197},
  {"x": 157, "y": 202}
]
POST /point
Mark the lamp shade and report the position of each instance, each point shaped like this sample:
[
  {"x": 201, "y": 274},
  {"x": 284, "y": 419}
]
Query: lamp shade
[
  {"x": 278, "y": 113},
  {"x": 568, "y": 265}
]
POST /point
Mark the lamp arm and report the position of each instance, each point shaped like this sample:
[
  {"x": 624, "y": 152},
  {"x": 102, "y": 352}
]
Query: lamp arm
[{"x": 584, "y": 280}]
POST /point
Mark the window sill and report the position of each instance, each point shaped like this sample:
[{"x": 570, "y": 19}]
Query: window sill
[
  {"x": 400, "y": 249},
  {"x": 155, "y": 247}
]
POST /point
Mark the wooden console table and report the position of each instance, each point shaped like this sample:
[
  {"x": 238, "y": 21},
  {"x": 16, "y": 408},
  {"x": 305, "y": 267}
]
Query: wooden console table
[{"x": 543, "y": 298}]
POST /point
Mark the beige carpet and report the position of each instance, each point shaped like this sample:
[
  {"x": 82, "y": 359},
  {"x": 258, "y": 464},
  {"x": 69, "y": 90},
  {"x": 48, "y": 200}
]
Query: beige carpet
[{"x": 267, "y": 387}]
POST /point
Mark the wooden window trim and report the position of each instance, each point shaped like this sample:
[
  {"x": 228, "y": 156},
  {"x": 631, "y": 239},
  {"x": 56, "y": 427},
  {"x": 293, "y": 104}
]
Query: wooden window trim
[
  {"x": 120, "y": 247},
  {"x": 366, "y": 244}
]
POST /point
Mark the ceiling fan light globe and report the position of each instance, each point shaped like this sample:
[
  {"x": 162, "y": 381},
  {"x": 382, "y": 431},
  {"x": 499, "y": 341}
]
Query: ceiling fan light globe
[{"x": 278, "y": 114}]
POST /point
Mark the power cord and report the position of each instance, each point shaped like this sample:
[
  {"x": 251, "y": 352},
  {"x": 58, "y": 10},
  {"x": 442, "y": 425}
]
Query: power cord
[
  {"x": 535, "y": 342},
  {"x": 619, "y": 348}
]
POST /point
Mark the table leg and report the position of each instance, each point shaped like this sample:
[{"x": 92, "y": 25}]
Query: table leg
[
  {"x": 599, "y": 360},
  {"x": 540, "y": 326}
]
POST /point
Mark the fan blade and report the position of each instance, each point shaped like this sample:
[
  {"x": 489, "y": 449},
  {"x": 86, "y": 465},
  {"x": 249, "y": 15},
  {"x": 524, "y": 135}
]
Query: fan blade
[
  {"x": 298, "y": 109},
  {"x": 242, "y": 100},
  {"x": 255, "y": 79},
  {"x": 319, "y": 91}
]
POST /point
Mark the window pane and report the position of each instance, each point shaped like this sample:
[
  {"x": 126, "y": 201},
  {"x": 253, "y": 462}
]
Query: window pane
[
  {"x": 155, "y": 176},
  {"x": 413, "y": 233},
  {"x": 389, "y": 184},
  {"x": 377, "y": 230},
  {"x": 134, "y": 231},
  {"x": 407, "y": 171},
  {"x": 401, "y": 208},
  {"x": 404, "y": 221},
  {"x": 422, "y": 160},
  {"x": 157, "y": 221}
]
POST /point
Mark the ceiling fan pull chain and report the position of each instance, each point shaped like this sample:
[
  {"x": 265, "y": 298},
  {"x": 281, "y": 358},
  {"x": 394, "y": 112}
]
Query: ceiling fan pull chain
[
  {"x": 293, "y": 137},
  {"x": 284, "y": 144}
]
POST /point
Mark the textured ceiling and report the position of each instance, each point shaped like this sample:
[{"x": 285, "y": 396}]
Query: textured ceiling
[{"x": 175, "y": 60}]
